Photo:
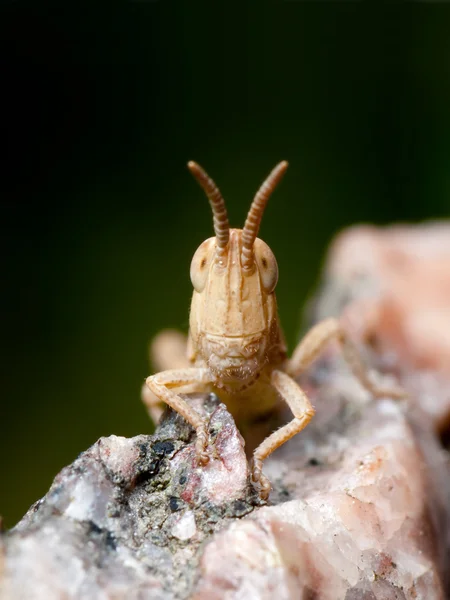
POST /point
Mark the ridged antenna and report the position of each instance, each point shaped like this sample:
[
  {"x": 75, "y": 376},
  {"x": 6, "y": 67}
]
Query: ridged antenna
[
  {"x": 221, "y": 225},
  {"x": 253, "y": 221}
]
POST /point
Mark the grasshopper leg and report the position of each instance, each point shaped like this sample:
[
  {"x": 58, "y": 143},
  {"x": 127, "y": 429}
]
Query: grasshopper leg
[
  {"x": 162, "y": 385},
  {"x": 314, "y": 343},
  {"x": 303, "y": 412},
  {"x": 168, "y": 350}
]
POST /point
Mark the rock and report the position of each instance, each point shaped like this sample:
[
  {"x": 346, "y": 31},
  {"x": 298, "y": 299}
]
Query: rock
[
  {"x": 393, "y": 286},
  {"x": 360, "y": 502},
  {"x": 361, "y": 512},
  {"x": 128, "y": 518}
]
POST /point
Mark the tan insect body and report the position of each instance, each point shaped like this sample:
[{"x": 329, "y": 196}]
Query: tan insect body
[{"x": 235, "y": 341}]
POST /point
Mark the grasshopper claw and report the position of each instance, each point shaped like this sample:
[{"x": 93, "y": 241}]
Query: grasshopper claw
[{"x": 201, "y": 445}]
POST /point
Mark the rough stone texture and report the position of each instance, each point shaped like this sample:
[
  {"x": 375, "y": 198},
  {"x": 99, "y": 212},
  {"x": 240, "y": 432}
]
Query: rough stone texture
[
  {"x": 393, "y": 286},
  {"x": 360, "y": 505},
  {"x": 128, "y": 517}
]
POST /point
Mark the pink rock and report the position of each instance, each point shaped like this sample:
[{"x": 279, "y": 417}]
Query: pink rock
[
  {"x": 225, "y": 476},
  {"x": 367, "y": 522},
  {"x": 397, "y": 284}
]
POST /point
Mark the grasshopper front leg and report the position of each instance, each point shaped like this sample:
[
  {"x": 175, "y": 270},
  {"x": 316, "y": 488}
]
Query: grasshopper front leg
[
  {"x": 314, "y": 343},
  {"x": 168, "y": 351},
  {"x": 303, "y": 412},
  {"x": 161, "y": 385}
]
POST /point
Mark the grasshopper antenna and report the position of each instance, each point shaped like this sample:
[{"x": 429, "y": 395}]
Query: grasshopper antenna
[
  {"x": 221, "y": 224},
  {"x": 256, "y": 211}
]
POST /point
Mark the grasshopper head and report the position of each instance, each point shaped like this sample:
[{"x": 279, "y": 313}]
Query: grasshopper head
[{"x": 234, "y": 274}]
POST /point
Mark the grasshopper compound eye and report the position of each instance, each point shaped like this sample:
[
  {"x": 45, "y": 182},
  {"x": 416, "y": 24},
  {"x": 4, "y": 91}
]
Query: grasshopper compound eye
[
  {"x": 267, "y": 265},
  {"x": 201, "y": 262}
]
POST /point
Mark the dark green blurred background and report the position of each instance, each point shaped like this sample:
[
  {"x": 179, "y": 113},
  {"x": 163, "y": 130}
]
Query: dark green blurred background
[{"x": 101, "y": 107}]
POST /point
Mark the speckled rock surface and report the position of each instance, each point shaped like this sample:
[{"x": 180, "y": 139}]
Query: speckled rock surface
[
  {"x": 359, "y": 508},
  {"x": 391, "y": 285},
  {"x": 128, "y": 518},
  {"x": 360, "y": 511}
]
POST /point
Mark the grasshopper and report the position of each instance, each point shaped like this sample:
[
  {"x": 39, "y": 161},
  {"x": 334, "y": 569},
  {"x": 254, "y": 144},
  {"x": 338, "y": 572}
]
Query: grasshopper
[{"x": 235, "y": 344}]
